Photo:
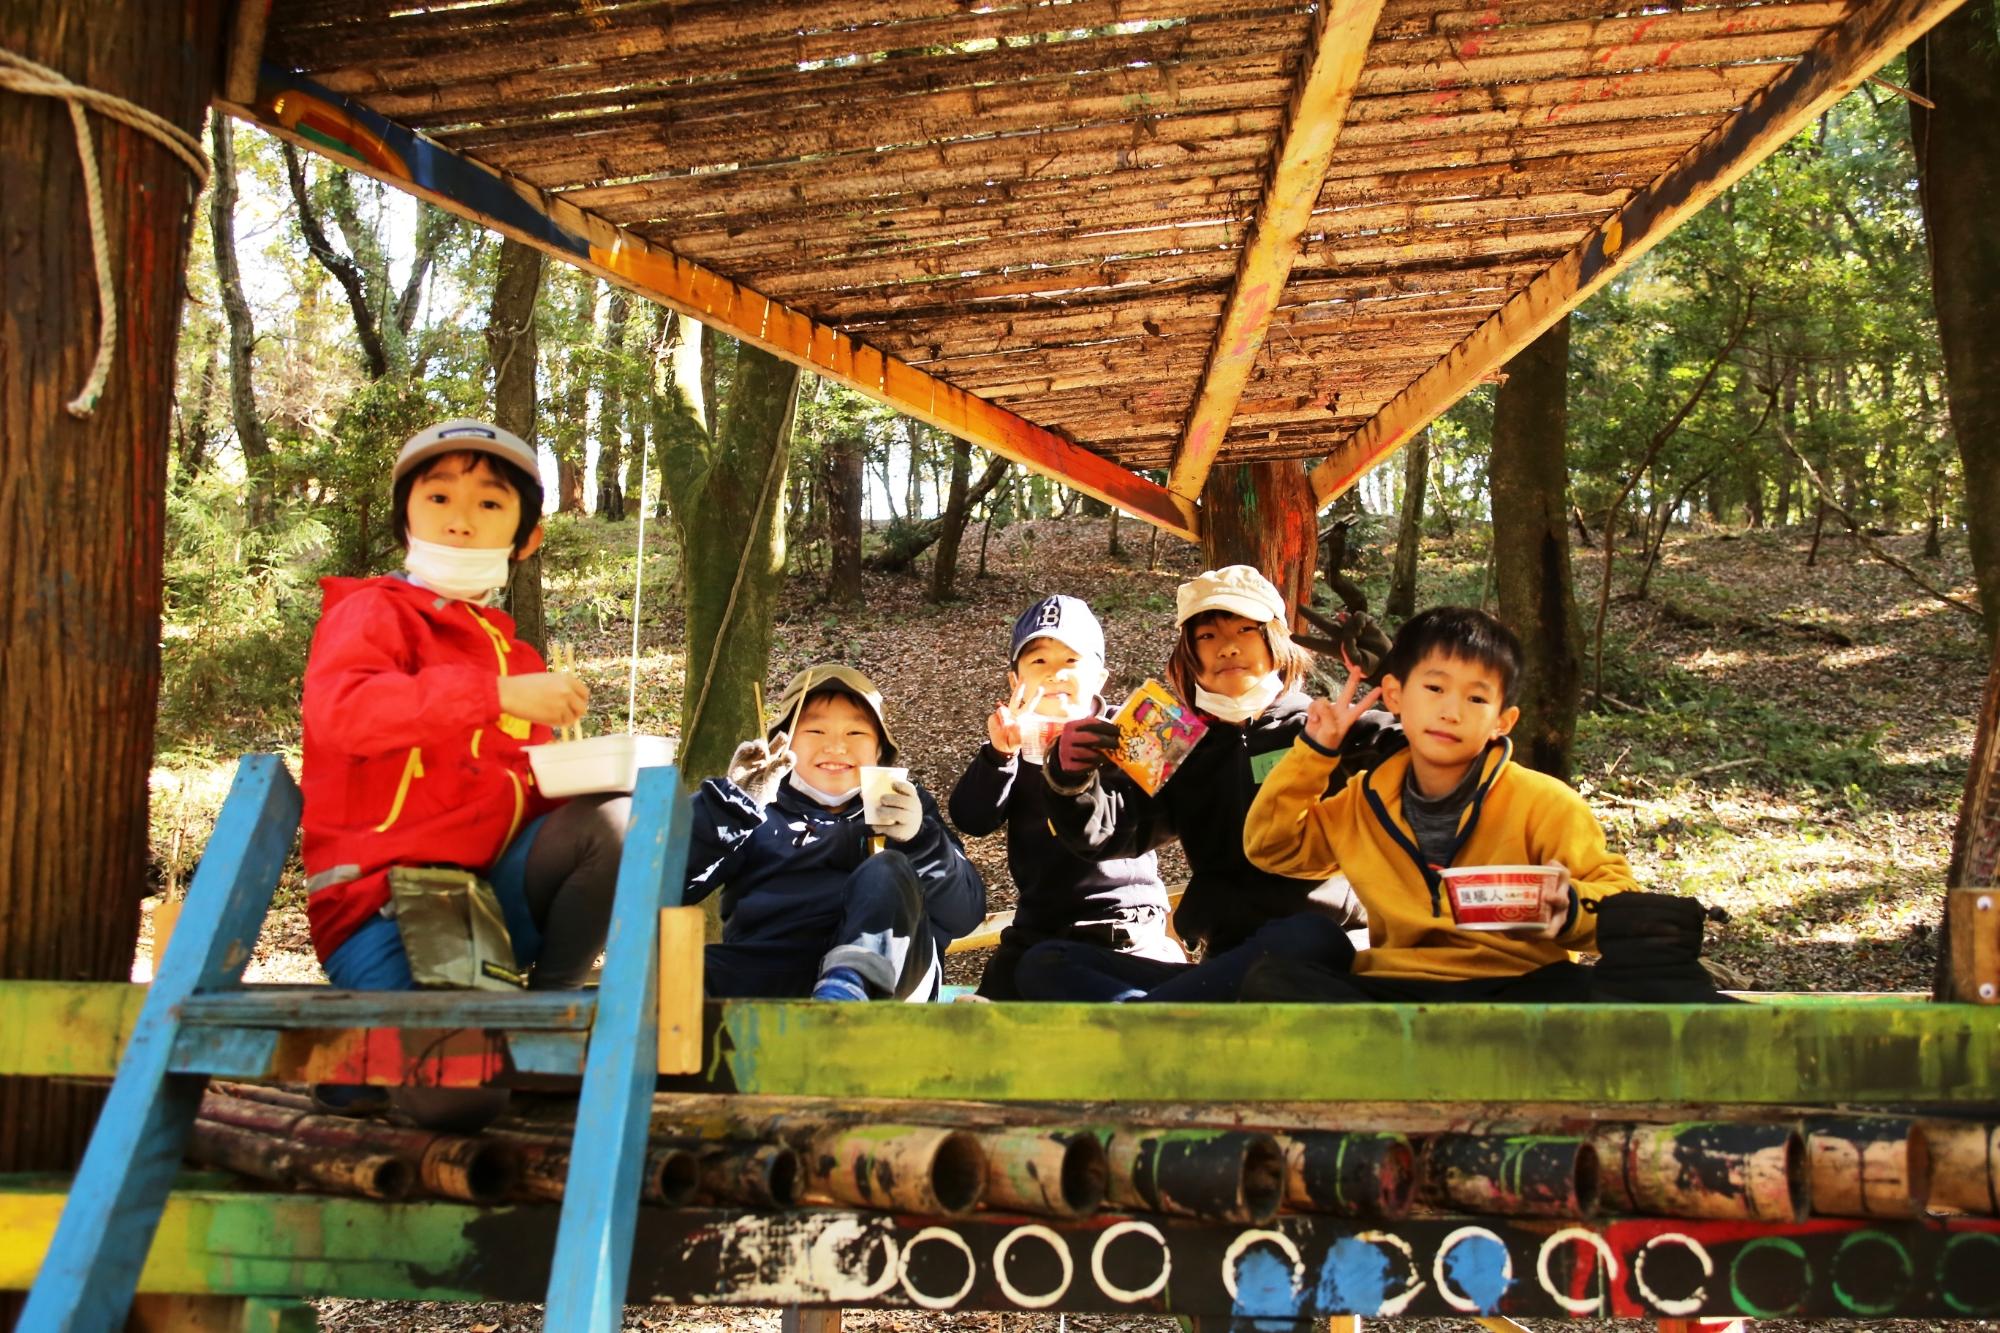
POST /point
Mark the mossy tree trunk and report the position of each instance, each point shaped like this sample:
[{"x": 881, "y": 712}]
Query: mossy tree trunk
[
  {"x": 1957, "y": 66},
  {"x": 951, "y": 531},
  {"x": 1530, "y": 492},
  {"x": 510, "y": 350},
  {"x": 1402, "y": 602},
  {"x": 844, "y": 459},
  {"x": 86, "y": 506},
  {"x": 725, "y": 486}
]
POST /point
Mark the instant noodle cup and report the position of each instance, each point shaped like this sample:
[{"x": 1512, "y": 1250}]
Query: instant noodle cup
[
  {"x": 877, "y": 781},
  {"x": 1499, "y": 897}
]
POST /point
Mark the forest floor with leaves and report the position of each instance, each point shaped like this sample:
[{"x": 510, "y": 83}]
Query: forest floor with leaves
[{"x": 1787, "y": 742}]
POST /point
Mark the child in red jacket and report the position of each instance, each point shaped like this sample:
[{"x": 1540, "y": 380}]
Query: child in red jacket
[{"x": 419, "y": 702}]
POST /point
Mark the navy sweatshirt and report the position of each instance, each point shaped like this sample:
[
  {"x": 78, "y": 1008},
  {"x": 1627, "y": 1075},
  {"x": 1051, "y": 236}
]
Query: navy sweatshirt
[
  {"x": 1203, "y": 804},
  {"x": 783, "y": 870},
  {"x": 1058, "y": 888}
]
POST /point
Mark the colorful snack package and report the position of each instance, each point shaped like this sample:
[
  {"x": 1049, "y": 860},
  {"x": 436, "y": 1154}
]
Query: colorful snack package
[{"x": 1156, "y": 731}]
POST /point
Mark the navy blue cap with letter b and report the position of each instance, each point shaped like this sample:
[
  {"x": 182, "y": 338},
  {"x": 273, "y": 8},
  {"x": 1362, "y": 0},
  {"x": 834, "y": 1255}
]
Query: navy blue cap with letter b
[{"x": 1067, "y": 620}]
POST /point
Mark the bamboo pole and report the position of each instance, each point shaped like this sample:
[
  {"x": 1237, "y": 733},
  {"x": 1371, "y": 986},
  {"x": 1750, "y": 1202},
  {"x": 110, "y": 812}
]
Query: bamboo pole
[
  {"x": 1348, "y": 1175},
  {"x": 1721, "y": 1170},
  {"x": 1518, "y": 1175},
  {"x": 1964, "y": 1167},
  {"x": 1867, "y": 1166},
  {"x": 673, "y": 1176},
  {"x": 1055, "y": 1172},
  {"x": 374, "y": 1175},
  {"x": 755, "y": 1175},
  {"x": 911, "y": 1168},
  {"x": 455, "y": 1166},
  {"x": 1221, "y": 1175}
]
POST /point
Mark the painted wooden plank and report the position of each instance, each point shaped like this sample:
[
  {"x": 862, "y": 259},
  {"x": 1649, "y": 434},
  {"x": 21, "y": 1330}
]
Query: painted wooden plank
[
  {"x": 683, "y": 950},
  {"x": 1807, "y": 1054},
  {"x": 101, "y": 1242},
  {"x": 798, "y": 1319},
  {"x": 1872, "y": 33},
  {"x": 324, "y": 1007},
  {"x": 296, "y": 109},
  {"x": 66, "y": 1029},
  {"x": 1317, "y": 111},
  {"x": 225, "y": 1243},
  {"x": 593, "y": 1254}
]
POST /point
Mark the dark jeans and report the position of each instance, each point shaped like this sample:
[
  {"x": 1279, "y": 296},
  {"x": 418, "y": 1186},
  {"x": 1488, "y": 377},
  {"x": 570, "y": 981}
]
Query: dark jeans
[
  {"x": 1067, "y": 970},
  {"x": 1298, "y": 980},
  {"x": 882, "y": 933}
]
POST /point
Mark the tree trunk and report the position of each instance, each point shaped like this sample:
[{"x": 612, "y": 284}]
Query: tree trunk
[
  {"x": 912, "y": 538},
  {"x": 1819, "y": 526},
  {"x": 611, "y": 409},
  {"x": 1402, "y": 603},
  {"x": 951, "y": 529},
  {"x": 1117, "y": 551},
  {"x": 510, "y": 351},
  {"x": 249, "y": 425},
  {"x": 1975, "y": 847},
  {"x": 845, "y": 456},
  {"x": 1957, "y": 66},
  {"x": 1531, "y": 569},
  {"x": 86, "y": 506},
  {"x": 1262, "y": 514},
  {"x": 724, "y": 491}
]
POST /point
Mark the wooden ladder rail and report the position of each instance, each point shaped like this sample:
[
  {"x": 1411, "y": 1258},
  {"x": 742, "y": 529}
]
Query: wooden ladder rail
[{"x": 198, "y": 1020}]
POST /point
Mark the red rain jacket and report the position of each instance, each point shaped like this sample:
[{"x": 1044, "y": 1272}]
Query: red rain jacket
[{"x": 408, "y": 760}]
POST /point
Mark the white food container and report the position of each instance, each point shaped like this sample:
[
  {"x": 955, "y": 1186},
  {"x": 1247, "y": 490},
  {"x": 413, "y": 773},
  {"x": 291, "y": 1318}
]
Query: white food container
[{"x": 598, "y": 764}]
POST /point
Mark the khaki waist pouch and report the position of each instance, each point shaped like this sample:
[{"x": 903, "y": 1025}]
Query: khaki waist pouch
[{"x": 453, "y": 930}]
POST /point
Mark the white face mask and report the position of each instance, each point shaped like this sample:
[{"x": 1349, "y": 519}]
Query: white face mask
[
  {"x": 465, "y": 572},
  {"x": 825, "y": 798},
  {"x": 1242, "y": 707}
]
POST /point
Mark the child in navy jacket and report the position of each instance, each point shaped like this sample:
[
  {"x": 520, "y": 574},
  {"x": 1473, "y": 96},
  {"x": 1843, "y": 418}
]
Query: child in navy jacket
[
  {"x": 809, "y": 907},
  {"x": 1056, "y": 672}
]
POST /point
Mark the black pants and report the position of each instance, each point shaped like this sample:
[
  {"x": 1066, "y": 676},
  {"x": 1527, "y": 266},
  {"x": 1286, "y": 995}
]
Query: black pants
[
  {"x": 881, "y": 931},
  {"x": 1295, "y": 980}
]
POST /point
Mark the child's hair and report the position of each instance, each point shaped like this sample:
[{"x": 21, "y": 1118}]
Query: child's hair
[
  {"x": 1184, "y": 668},
  {"x": 528, "y": 488},
  {"x": 1463, "y": 632}
]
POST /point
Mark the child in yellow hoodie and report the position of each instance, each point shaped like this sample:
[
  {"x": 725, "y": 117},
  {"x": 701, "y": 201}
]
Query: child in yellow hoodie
[{"x": 1452, "y": 798}]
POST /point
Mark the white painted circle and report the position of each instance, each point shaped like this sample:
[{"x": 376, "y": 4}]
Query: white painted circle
[
  {"x": 1390, "y": 1309},
  {"x": 1986, "y": 991},
  {"x": 1985, "y": 903},
  {"x": 1151, "y": 1289},
  {"x": 1054, "y": 1242},
  {"x": 1248, "y": 1238},
  {"x": 1604, "y": 1253},
  {"x": 1677, "y": 1309},
  {"x": 925, "y": 1299},
  {"x": 1445, "y": 1247}
]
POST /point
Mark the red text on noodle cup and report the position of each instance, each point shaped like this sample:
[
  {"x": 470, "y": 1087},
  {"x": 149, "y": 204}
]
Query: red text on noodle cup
[{"x": 1498, "y": 897}]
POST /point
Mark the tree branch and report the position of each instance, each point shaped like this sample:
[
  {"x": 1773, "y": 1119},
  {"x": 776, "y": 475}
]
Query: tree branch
[{"x": 344, "y": 270}]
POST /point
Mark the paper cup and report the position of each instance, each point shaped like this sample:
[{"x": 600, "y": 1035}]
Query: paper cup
[
  {"x": 1499, "y": 897},
  {"x": 1038, "y": 737},
  {"x": 876, "y": 782}
]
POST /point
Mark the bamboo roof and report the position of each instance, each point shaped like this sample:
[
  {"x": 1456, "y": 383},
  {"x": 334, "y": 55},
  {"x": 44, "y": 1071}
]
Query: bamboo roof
[{"x": 1160, "y": 234}]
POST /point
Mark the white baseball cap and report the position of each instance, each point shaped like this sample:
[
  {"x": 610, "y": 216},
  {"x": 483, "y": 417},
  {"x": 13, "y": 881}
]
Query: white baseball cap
[{"x": 1238, "y": 589}]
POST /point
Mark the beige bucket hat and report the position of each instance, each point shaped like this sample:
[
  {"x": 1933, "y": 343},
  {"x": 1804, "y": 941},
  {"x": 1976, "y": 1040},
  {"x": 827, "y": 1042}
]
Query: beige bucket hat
[
  {"x": 823, "y": 676},
  {"x": 1238, "y": 589}
]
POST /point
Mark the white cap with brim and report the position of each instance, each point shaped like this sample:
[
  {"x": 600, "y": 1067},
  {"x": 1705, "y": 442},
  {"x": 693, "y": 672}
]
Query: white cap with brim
[
  {"x": 463, "y": 434},
  {"x": 1237, "y": 589}
]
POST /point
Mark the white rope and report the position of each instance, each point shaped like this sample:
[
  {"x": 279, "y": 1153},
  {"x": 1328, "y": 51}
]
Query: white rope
[{"x": 21, "y": 75}]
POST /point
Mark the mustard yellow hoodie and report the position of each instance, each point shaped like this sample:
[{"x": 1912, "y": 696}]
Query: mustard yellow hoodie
[{"x": 1516, "y": 817}]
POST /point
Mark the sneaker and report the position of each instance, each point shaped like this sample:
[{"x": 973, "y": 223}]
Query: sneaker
[
  {"x": 840, "y": 983},
  {"x": 349, "y": 1099}
]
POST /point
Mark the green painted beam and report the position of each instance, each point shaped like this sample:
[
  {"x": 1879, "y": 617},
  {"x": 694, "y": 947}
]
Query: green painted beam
[
  {"x": 263, "y": 1244},
  {"x": 1771, "y": 1053},
  {"x": 1808, "y": 1050},
  {"x": 72, "y": 1029}
]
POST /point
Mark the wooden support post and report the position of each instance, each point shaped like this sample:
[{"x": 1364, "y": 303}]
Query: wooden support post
[
  {"x": 1312, "y": 126},
  {"x": 246, "y": 49},
  {"x": 1973, "y": 930},
  {"x": 94, "y": 1260},
  {"x": 593, "y": 1254},
  {"x": 322, "y": 121},
  {"x": 682, "y": 951},
  {"x": 1871, "y": 33},
  {"x": 800, "y": 1319}
]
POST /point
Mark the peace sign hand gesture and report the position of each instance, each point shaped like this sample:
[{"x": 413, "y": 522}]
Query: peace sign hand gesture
[{"x": 1328, "y": 720}]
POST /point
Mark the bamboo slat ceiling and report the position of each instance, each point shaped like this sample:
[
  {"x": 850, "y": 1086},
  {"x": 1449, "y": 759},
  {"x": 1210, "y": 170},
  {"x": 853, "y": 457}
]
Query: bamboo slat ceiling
[{"x": 1047, "y": 204}]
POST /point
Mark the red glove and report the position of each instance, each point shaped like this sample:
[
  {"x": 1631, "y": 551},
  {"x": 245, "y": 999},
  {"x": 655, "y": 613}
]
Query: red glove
[{"x": 1083, "y": 746}]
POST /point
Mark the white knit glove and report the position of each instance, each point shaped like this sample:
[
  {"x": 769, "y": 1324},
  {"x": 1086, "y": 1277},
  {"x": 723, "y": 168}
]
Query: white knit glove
[
  {"x": 898, "y": 812},
  {"x": 758, "y": 766}
]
